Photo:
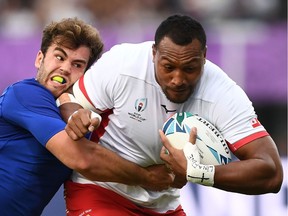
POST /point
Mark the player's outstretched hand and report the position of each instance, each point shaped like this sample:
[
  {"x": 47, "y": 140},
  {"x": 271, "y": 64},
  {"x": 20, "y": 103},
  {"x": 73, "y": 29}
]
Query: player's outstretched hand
[
  {"x": 81, "y": 122},
  {"x": 175, "y": 158}
]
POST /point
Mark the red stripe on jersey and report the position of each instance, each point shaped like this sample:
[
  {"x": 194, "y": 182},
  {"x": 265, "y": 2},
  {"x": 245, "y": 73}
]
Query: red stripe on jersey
[
  {"x": 248, "y": 139},
  {"x": 83, "y": 89},
  {"x": 95, "y": 136}
]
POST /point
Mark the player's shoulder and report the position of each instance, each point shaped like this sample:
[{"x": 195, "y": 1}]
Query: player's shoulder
[
  {"x": 27, "y": 91},
  {"x": 214, "y": 79},
  {"x": 28, "y": 87},
  {"x": 126, "y": 53},
  {"x": 217, "y": 88},
  {"x": 26, "y": 95},
  {"x": 131, "y": 50},
  {"x": 131, "y": 59},
  {"x": 215, "y": 85},
  {"x": 136, "y": 46},
  {"x": 214, "y": 72},
  {"x": 24, "y": 86}
]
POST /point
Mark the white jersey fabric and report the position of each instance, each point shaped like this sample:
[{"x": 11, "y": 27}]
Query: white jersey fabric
[{"x": 123, "y": 81}]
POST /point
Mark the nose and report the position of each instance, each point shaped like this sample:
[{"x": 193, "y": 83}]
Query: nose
[
  {"x": 178, "y": 78},
  {"x": 66, "y": 67}
]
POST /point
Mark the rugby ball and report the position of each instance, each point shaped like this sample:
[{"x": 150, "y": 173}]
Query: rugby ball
[{"x": 213, "y": 148}]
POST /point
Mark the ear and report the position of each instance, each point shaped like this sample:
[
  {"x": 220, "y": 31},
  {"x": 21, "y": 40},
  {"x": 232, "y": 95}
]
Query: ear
[
  {"x": 204, "y": 53},
  {"x": 39, "y": 59},
  {"x": 154, "y": 50}
]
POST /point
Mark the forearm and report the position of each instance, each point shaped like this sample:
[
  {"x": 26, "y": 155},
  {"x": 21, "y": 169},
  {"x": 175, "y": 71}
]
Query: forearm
[
  {"x": 105, "y": 165},
  {"x": 259, "y": 170},
  {"x": 102, "y": 164},
  {"x": 67, "y": 109},
  {"x": 109, "y": 166},
  {"x": 253, "y": 176},
  {"x": 94, "y": 161}
]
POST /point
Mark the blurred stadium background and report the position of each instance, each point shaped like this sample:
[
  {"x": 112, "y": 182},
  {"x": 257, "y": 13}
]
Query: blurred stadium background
[{"x": 247, "y": 38}]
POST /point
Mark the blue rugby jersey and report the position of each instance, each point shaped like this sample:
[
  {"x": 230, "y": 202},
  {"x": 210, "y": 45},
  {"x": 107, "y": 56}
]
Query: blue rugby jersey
[{"x": 29, "y": 174}]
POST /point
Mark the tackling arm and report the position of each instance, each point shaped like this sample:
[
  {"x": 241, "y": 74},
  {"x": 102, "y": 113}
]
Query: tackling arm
[
  {"x": 96, "y": 162},
  {"x": 100, "y": 164}
]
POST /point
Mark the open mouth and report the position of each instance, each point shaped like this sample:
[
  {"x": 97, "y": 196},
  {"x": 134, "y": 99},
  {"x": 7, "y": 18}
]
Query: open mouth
[{"x": 59, "y": 79}]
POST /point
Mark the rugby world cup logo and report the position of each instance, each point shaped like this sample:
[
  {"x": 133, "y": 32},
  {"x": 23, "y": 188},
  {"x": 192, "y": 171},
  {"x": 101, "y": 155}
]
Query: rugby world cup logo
[{"x": 141, "y": 104}]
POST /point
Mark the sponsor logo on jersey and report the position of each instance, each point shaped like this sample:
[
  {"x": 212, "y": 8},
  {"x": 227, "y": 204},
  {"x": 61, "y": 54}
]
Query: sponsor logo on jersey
[{"x": 167, "y": 110}]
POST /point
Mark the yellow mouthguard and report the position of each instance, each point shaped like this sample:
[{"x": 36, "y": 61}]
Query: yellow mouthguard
[{"x": 58, "y": 79}]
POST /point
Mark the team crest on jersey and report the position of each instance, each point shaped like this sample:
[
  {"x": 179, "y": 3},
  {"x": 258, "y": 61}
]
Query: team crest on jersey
[{"x": 140, "y": 104}]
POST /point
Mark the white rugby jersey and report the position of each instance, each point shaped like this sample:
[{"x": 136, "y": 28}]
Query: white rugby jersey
[{"x": 122, "y": 84}]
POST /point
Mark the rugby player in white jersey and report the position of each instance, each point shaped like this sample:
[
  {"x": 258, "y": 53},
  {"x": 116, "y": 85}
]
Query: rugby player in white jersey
[{"x": 136, "y": 87}]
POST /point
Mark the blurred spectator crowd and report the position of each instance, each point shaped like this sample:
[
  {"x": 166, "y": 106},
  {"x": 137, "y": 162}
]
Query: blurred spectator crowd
[{"x": 22, "y": 18}]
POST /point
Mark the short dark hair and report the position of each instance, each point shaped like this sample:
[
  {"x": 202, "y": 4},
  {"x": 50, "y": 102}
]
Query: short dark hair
[
  {"x": 73, "y": 33},
  {"x": 181, "y": 29}
]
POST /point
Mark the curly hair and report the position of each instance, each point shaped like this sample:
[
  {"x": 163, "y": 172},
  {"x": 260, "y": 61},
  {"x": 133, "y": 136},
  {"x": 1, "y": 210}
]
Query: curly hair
[{"x": 73, "y": 33}]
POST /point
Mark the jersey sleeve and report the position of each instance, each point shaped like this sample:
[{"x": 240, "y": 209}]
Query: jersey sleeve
[
  {"x": 237, "y": 118},
  {"x": 33, "y": 108},
  {"x": 98, "y": 87}
]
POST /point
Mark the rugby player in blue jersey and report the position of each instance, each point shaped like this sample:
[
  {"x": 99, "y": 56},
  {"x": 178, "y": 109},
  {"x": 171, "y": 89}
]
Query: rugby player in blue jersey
[{"x": 36, "y": 154}]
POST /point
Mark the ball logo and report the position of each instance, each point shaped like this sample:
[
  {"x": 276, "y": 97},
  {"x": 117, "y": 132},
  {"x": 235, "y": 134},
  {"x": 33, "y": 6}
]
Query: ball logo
[
  {"x": 212, "y": 146},
  {"x": 177, "y": 124}
]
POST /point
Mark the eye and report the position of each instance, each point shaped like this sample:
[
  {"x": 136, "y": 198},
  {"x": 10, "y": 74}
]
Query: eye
[
  {"x": 168, "y": 67},
  {"x": 78, "y": 65},
  {"x": 59, "y": 57},
  {"x": 192, "y": 68},
  {"x": 189, "y": 69}
]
